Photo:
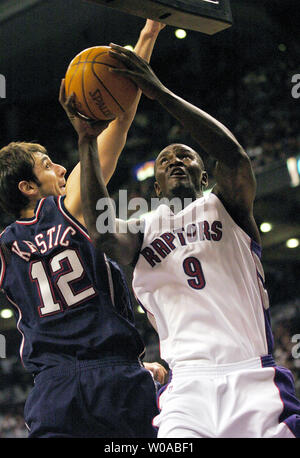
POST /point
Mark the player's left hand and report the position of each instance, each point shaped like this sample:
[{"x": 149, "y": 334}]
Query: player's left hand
[
  {"x": 158, "y": 371},
  {"x": 85, "y": 127}
]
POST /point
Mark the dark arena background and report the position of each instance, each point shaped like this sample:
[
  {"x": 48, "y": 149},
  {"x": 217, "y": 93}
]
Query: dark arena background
[{"x": 247, "y": 76}]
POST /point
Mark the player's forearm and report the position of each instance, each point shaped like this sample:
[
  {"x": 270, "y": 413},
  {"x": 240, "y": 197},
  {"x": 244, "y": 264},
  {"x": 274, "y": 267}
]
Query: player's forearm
[
  {"x": 108, "y": 235},
  {"x": 145, "y": 44},
  {"x": 112, "y": 141},
  {"x": 213, "y": 137},
  {"x": 92, "y": 188},
  {"x": 143, "y": 48}
]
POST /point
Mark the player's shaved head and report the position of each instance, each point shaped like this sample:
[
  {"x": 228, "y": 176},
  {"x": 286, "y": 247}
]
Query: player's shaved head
[{"x": 175, "y": 147}]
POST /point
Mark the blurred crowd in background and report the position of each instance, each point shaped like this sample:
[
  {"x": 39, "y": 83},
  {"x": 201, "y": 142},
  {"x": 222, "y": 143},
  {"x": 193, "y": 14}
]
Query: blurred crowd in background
[{"x": 264, "y": 117}]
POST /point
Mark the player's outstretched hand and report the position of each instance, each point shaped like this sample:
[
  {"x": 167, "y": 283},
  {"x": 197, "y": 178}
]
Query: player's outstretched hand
[
  {"x": 138, "y": 70},
  {"x": 85, "y": 127},
  {"x": 158, "y": 371}
]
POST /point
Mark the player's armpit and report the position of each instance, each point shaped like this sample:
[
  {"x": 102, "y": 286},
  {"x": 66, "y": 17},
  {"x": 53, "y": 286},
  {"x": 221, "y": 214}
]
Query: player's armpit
[
  {"x": 236, "y": 188},
  {"x": 235, "y": 183}
]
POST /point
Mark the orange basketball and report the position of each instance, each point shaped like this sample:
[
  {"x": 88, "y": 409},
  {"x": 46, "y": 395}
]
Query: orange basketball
[{"x": 100, "y": 94}]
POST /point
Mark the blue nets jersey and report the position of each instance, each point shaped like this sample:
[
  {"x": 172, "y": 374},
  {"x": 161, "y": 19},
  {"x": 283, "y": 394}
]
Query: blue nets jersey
[{"x": 70, "y": 302}]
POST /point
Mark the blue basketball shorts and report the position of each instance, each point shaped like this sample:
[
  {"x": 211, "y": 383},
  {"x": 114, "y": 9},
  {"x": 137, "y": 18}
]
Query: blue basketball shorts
[{"x": 111, "y": 398}]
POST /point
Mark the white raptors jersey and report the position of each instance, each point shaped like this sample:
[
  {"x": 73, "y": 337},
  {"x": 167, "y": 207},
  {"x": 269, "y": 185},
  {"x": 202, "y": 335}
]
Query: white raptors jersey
[{"x": 201, "y": 277}]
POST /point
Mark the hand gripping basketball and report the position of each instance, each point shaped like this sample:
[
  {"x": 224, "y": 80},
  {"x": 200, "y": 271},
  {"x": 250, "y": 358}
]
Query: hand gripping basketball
[{"x": 137, "y": 69}]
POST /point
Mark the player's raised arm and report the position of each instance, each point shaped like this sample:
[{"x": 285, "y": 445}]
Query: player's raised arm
[
  {"x": 119, "y": 239},
  {"x": 111, "y": 141},
  {"x": 235, "y": 179}
]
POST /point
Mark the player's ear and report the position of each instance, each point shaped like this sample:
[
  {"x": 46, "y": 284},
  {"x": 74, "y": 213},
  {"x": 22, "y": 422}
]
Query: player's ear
[
  {"x": 29, "y": 188},
  {"x": 204, "y": 179},
  {"x": 157, "y": 189}
]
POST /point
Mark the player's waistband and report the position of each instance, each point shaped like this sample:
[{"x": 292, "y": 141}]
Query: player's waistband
[
  {"x": 221, "y": 369},
  {"x": 78, "y": 365}
]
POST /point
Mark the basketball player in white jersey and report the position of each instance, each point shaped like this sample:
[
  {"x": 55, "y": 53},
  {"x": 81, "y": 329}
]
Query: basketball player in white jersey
[{"x": 199, "y": 277}]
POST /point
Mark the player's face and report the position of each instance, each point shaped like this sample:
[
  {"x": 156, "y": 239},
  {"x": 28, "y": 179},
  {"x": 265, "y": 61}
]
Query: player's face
[
  {"x": 178, "y": 172},
  {"x": 50, "y": 175}
]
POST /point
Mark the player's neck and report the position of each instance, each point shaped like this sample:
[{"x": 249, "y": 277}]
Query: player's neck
[
  {"x": 185, "y": 198},
  {"x": 28, "y": 212}
]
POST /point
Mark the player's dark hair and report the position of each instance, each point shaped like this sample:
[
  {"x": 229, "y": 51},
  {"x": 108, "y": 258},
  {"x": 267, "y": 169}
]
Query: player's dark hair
[{"x": 16, "y": 164}]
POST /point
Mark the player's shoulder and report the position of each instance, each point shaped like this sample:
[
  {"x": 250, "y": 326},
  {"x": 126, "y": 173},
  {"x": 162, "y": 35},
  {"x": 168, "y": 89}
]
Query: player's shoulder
[
  {"x": 44, "y": 205},
  {"x": 3, "y": 234},
  {"x": 51, "y": 201},
  {"x": 8, "y": 233},
  {"x": 214, "y": 198},
  {"x": 51, "y": 204},
  {"x": 148, "y": 219},
  {"x": 163, "y": 209}
]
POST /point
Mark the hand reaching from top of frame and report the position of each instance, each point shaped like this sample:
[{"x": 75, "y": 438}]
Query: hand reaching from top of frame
[
  {"x": 138, "y": 70},
  {"x": 152, "y": 28}
]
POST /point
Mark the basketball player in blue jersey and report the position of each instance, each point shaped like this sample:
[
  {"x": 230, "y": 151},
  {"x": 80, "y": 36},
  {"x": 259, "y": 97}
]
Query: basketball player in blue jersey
[
  {"x": 72, "y": 305},
  {"x": 198, "y": 275}
]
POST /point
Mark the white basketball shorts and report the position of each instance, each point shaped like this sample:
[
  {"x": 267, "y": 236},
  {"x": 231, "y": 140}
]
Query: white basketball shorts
[{"x": 248, "y": 399}]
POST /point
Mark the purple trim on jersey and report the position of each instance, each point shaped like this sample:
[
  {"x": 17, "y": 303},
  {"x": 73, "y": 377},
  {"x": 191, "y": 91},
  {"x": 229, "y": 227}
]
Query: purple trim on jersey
[
  {"x": 256, "y": 248},
  {"x": 260, "y": 277},
  {"x": 139, "y": 302},
  {"x": 162, "y": 389},
  {"x": 3, "y": 267},
  {"x": 290, "y": 414},
  {"x": 268, "y": 329},
  {"x": 141, "y": 305},
  {"x": 27, "y": 221},
  {"x": 267, "y": 361}
]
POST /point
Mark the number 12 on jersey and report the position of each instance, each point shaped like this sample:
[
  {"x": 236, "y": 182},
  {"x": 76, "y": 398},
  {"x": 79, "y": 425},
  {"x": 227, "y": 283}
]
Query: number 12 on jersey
[
  {"x": 192, "y": 268},
  {"x": 38, "y": 273}
]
